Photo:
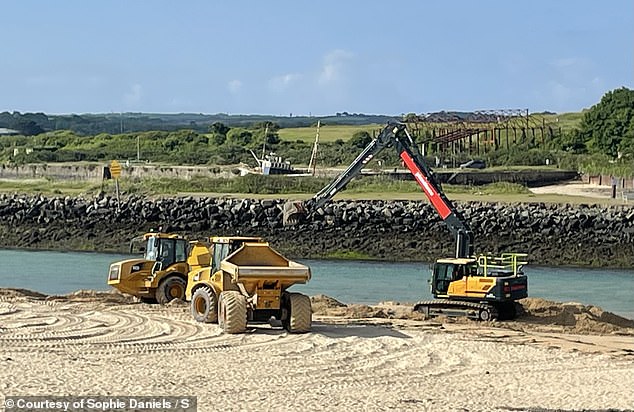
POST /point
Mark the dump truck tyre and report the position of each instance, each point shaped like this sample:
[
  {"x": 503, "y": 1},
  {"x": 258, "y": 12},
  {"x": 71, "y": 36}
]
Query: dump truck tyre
[
  {"x": 172, "y": 287},
  {"x": 232, "y": 312},
  {"x": 204, "y": 305},
  {"x": 300, "y": 313}
]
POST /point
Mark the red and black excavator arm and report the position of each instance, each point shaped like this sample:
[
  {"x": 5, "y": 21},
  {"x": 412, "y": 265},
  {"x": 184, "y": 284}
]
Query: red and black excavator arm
[{"x": 393, "y": 135}]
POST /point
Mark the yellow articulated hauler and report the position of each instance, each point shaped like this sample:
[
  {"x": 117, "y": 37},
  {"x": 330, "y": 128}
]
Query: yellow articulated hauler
[
  {"x": 239, "y": 280},
  {"x": 161, "y": 275}
]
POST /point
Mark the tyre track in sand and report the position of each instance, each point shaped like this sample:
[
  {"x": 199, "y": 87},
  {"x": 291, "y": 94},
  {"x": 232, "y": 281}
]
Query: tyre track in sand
[{"x": 94, "y": 328}]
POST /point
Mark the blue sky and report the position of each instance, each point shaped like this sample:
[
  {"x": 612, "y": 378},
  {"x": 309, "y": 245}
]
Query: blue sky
[{"x": 318, "y": 57}]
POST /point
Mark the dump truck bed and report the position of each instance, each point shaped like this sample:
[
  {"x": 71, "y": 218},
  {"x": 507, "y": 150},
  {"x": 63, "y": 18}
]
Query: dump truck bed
[
  {"x": 258, "y": 261},
  {"x": 293, "y": 270}
]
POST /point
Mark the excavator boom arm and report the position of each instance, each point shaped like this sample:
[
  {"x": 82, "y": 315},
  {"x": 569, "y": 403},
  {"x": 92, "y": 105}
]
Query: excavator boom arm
[
  {"x": 426, "y": 179},
  {"x": 394, "y": 134},
  {"x": 372, "y": 149}
]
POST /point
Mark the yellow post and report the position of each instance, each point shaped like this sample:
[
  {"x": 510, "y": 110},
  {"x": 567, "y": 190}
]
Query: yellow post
[{"x": 115, "y": 173}]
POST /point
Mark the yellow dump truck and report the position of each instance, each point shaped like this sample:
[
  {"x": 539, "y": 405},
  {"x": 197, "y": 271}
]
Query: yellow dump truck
[
  {"x": 240, "y": 280},
  {"x": 161, "y": 275}
]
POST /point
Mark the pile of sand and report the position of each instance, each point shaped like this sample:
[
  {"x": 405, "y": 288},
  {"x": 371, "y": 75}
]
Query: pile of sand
[
  {"x": 84, "y": 344},
  {"x": 11, "y": 293},
  {"x": 532, "y": 313},
  {"x": 112, "y": 297},
  {"x": 574, "y": 317},
  {"x": 326, "y": 306}
]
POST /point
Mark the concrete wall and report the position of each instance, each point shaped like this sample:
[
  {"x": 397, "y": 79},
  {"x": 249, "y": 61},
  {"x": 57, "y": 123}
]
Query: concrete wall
[{"x": 94, "y": 171}]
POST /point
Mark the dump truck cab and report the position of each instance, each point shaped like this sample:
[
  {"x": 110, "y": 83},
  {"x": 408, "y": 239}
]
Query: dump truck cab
[
  {"x": 204, "y": 259},
  {"x": 238, "y": 280},
  {"x": 160, "y": 275},
  {"x": 166, "y": 251}
]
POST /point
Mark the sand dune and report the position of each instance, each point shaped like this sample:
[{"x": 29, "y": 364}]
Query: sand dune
[{"x": 91, "y": 343}]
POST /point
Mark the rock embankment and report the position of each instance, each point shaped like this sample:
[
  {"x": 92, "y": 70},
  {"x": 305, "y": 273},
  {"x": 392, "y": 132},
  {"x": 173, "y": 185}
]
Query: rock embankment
[{"x": 390, "y": 230}]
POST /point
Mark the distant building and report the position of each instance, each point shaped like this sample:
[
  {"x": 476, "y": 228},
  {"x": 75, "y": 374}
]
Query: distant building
[
  {"x": 28, "y": 150},
  {"x": 8, "y": 132}
]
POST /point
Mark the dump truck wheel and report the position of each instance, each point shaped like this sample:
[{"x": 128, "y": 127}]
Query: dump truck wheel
[
  {"x": 172, "y": 287},
  {"x": 204, "y": 306},
  {"x": 300, "y": 313},
  {"x": 232, "y": 312}
]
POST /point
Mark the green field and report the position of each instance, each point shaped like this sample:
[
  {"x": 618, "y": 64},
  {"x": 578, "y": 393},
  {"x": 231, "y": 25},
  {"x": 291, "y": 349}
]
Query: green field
[
  {"x": 367, "y": 189},
  {"x": 327, "y": 133},
  {"x": 46, "y": 186},
  {"x": 566, "y": 121}
]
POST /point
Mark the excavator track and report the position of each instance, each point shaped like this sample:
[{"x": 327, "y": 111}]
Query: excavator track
[{"x": 454, "y": 308}]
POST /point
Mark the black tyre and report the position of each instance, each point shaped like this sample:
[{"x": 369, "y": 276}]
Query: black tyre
[
  {"x": 232, "y": 312},
  {"x": 484, "y": 315},
  {"x": 204, "y": 305},
  {"x": 300, "y": 313},
  {"x": 172, "y": 287},
  {"x": 144, "y": 299}
]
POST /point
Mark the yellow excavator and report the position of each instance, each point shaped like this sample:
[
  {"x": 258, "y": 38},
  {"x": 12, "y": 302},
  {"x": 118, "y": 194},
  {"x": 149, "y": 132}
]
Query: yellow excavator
[{"x": 480, "y": 287}]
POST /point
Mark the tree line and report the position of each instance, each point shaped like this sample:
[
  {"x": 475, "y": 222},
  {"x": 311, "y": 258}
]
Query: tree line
[
  {"x": 30, "y": 124},
  {"x": 602, "y": 143}
]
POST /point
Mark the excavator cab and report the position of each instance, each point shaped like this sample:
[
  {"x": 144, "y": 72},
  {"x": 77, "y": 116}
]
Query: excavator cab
[
  {"x": 482, "y": 288},
  {"x": 446, "y": 271}
]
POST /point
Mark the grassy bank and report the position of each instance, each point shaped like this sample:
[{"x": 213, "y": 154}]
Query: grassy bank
[
  {"x": 247, "y": 185},
  {"x": 275, "y": 187}
]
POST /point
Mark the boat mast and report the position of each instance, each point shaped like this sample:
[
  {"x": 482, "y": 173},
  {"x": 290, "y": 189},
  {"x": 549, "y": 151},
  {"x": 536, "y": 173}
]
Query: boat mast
[{"x": 313, "y": 156}]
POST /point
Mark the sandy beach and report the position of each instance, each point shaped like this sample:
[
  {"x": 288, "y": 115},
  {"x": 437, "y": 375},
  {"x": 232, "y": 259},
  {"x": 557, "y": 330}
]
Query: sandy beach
[
  {"x": 555, "y": 356},
  {"x": 577, "y": 189}
]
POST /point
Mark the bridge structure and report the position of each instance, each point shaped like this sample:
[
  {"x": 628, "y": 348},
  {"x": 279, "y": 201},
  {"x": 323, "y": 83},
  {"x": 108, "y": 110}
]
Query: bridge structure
[{"x": 479, "y": 132}]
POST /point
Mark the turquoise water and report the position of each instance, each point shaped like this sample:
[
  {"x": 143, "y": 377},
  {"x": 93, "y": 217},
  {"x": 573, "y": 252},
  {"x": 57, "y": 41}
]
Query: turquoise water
[{"x": 347, "y": 281}]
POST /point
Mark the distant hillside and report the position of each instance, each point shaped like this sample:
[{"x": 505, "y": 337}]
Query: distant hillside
[{"x": 114, "y": 123}]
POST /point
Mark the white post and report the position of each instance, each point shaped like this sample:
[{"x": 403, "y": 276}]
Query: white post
[
  {"x": 116, "y": 186},
  {"x": 266, "y": 132},
  {"x": 312, "y": 166}
]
